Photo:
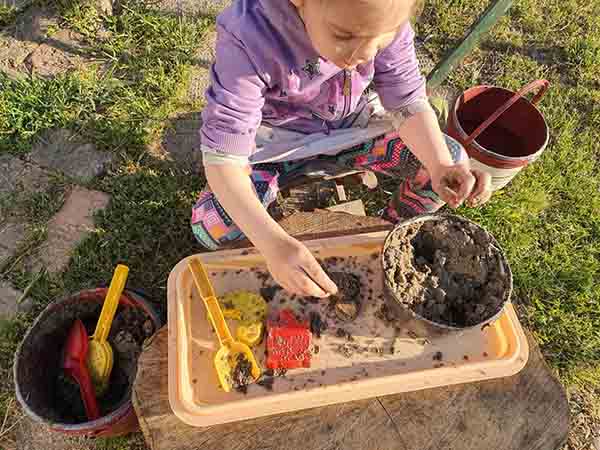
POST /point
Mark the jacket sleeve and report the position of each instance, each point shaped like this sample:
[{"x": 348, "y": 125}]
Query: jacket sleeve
[
  {"x": 398, "y": 79},
  {"x": 234, "y": 99}
]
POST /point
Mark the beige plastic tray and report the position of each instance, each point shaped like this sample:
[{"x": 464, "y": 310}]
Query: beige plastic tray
[{"x": 387, "y": 358}]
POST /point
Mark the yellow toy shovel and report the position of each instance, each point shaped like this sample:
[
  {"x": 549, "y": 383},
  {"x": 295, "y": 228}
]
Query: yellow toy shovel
[
  {"x": 232, "y": 353},
  {"x": 100, "y": 357}
]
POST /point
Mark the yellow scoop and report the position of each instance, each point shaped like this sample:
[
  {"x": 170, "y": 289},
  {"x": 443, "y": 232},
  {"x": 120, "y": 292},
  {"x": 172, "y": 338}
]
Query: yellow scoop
[
  {"x": 232, "y": 353},
  {"x": 100, "y": 357}
]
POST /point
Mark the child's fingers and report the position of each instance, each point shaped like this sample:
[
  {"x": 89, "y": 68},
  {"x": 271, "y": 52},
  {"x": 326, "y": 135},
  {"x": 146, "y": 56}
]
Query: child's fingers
[
  {"x": 316, "y": 273},
  {"x": 456, "y": 185},
  {"x": 300, "y": 284},
  {"x": 449, "y": 196},
  {"x": 482, "y": 190},
  {"x": 307, "y": 287},
  {"x": 466, "y": 185},
  {"x": 289, "y": 287}
]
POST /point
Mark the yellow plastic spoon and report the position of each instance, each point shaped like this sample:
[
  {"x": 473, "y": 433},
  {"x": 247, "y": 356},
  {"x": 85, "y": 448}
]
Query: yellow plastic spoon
[
  {"x": 228, "y": 355},
  {"x": 100, "y": 357}
]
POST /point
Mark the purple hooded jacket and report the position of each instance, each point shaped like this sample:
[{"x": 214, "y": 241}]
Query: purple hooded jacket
[{"x": 266, "y": 70}]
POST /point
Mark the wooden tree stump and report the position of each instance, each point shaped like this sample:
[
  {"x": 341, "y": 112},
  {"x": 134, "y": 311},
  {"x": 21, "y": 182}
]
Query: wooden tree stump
[{"x": 528, "y": 411}]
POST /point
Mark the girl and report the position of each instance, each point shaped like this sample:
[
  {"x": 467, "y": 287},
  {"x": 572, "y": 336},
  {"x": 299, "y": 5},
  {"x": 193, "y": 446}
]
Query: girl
[{"x": 288, "y": 100}]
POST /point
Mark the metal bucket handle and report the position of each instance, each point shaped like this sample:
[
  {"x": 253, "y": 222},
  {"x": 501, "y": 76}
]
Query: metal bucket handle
[{"x": 541, "y": 84}]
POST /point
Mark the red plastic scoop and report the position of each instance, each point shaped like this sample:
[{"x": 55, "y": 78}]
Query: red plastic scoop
[{"x": 74, "y": 365}]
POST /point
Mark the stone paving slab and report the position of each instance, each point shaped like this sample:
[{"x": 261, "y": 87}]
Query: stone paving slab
[
  {"x": 13, "y": 53},
  {"x": 69, "y": 227},
  {"x": 18, "y": 176},
  {"x": 11, "y": 235},
  {"x": 210, "y": 8},
  {"x": 36, "y": 45},
  {"x": 63, "y": 51},
  {"x": 47, "y": 61},
  {"x": 68, "y": 41},
  {"x": 181, "y": 142},
  {"x": 8, "y": 301},
  {"x": 59, "y": 150}
]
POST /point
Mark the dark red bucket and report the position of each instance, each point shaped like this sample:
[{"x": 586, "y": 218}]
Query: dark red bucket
[
  {"x": 501, "y": 130},
  {"x": 38, "y": 356}
]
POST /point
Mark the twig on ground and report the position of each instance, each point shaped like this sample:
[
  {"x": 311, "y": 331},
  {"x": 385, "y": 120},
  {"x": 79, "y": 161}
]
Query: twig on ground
[
  {"x": 4, "y": 430},
  {"x": 30, "y": 286},
  {"x": 24, "y": 253}
]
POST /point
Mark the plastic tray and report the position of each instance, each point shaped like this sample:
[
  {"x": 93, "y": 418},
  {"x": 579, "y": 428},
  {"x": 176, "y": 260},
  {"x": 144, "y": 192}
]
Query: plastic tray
[{"x": 386, "y": 357}]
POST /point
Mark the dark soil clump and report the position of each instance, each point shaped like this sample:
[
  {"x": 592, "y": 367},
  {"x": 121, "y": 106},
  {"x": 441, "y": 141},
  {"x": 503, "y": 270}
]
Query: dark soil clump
[
  {"x": 317, "y": 326},
  {"x": 269, "y": 292},
  {"x": 242, "y": 374},
  {"x": 346, "y": 302},
  {"x": 266, "y": 382},
  {"x": 447, "y": 271},
  {"x": 385, "y": 314}
]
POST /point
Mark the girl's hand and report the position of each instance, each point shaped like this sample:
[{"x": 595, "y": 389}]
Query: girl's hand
[
  {"x": 457, "y": 183},
  {"x": 295, "y": 269}
]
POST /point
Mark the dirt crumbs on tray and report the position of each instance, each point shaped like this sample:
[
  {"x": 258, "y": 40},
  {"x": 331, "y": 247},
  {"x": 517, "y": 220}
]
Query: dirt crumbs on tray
[
  {"x": 448, "y": 272},
  {"x": 241, "y": 375},
  {"x": 317, "y": 325},
  {"x": 346, "y": 302},
  {"x": 269, "y": 292},
  {"x": 385, "y": 314}
]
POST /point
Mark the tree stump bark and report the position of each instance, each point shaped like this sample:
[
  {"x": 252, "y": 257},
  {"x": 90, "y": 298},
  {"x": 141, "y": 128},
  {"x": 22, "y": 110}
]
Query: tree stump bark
[{"x": 528, "y": 411}]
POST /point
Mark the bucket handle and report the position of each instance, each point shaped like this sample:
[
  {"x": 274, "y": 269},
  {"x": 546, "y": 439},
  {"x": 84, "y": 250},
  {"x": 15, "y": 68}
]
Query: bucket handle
[{"x": 541, "y": 84}]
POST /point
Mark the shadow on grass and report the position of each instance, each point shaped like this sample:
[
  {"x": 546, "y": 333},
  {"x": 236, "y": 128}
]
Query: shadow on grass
[
  {"x": 180, "y": 142},
  {"x": 146, "y": 226}
]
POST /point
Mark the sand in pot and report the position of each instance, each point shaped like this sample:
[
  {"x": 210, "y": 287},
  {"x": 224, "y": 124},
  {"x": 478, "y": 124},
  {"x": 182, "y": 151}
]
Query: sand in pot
[
  {"x": 130, "y": 328},
  {"x": 448, "y": 272}
]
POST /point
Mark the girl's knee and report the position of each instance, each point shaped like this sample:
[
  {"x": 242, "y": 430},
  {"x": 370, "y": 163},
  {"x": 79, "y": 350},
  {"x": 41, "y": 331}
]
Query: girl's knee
[{"x": 211, "y": 225}]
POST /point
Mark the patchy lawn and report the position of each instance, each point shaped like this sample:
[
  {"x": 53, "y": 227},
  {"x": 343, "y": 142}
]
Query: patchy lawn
[{"x": 548, "y": 220}]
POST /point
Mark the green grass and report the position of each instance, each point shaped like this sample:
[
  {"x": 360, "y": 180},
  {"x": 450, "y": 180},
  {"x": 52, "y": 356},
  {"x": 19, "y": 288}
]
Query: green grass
[
  {"x": 122, "y": 102},
  {"x": 547, "y": 220},
  {"x": 7, "y": 15}
]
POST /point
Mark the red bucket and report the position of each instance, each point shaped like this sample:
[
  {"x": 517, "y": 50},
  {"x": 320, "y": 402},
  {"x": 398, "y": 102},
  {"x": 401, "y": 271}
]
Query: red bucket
[
  {"x": 501, "y": 130},
  {"x": 37, "y": 364}
]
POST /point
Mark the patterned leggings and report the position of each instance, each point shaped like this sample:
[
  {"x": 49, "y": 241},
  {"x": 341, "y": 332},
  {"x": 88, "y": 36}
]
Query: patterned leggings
[{"x": 387, "y": 155}]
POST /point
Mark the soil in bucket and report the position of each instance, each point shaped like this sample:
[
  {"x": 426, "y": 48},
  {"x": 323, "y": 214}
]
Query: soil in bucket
[
  {"x": 449, "y": 273},
  {"x": 130, "y": 328}
]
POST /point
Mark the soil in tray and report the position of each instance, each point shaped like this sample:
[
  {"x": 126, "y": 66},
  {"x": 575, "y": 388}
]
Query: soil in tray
[
  {"x": 242, "y": 374},
  {"x": 447, "y": 272},
  {"x": 346, "y": 303},
  {"x": 130, "y": 328}
]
